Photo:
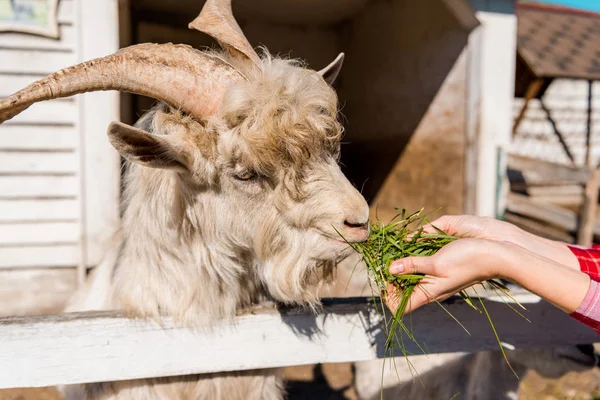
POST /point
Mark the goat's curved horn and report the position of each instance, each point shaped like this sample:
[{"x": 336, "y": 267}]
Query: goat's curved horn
[
  {"x": 216, "y": 19},
  {"x": 179, "y": 75}
]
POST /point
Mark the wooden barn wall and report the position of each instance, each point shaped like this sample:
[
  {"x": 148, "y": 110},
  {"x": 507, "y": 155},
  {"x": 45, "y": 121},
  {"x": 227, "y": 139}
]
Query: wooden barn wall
[
  {"x": 58, "y": 175},
  {"x": 405, "y": 98},
  {"x": 567, "y": 101}
]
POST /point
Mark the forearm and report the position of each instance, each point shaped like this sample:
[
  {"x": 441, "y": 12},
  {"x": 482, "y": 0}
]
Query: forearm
[
  {"x": 561, "y": 285},
  {"x": 551, "y": 249}
]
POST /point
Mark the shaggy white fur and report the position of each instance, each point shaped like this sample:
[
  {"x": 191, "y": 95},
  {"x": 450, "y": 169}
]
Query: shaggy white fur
[{"x": 222, "y": 214}]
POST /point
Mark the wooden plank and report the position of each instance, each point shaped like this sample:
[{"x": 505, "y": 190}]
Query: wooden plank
[
  {"x": 18, "y": 137},
  {"x": 36, "y": 291},
  {"x": 67, "y": 41},
  {"x": 538, "y": 172},
  {"x": 39, "y": 256},
  {"x": 550, "y": 213},
  {"x": 562, "y": 190},
  {"x": 101, "y": 163},
  {"x": 38, "y": 186},
  {"x": 39, "y": 233},
  {"x": 38, "y": 163},
  {"x": 52, "y": 112},
  {"x": 78, "y": 348},
  {"x": 34, "y": 62},
  {"x": 585, "y": 231},
  {"x": 538, "y": 228},
  {"x": 39, "y": 210},
  {"x": 532, "y": 91}
]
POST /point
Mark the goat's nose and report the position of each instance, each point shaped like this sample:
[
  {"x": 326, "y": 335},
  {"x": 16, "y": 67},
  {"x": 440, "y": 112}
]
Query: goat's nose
[
  {"x": 357, "y": 230},
  {"x": 356, "y": 225}
]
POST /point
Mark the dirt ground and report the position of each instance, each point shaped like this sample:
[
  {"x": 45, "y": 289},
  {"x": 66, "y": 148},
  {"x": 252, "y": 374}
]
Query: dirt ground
[{"x": 334, "y": 382}]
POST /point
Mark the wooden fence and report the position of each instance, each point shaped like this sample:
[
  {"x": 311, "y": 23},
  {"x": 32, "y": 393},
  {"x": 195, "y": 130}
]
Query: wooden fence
[
  {"x": 93, "y": 347},
  {"x": 556, "y": 201}
]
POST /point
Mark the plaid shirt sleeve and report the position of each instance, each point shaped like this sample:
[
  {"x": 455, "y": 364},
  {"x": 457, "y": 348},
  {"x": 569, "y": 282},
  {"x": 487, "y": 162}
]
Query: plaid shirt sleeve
[{"x": 588, "y": 312}]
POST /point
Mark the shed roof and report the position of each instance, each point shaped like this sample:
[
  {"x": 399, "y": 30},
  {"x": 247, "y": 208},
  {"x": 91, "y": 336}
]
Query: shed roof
[{"x": 556, "y": 42}]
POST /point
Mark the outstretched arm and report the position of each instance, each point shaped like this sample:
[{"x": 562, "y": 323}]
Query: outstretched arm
[{"x": 466, "y": 262}]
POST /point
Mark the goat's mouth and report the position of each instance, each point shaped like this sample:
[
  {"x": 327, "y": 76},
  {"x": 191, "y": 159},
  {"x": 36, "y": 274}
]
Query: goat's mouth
[{"x": 339, "y": 238}]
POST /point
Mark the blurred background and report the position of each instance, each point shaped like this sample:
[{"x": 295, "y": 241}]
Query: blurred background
[{"x": 487, "y": 107}]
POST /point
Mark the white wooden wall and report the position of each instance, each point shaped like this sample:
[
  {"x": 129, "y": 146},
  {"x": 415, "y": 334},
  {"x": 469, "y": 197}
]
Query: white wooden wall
[
  {"x": 59, "y": 176},
  {"x": 567, "y": 101}
]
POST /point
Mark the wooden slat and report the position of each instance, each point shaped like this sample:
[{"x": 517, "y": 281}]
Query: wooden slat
[
  {"x": 101, "y": 163},
  {"x": 18, "y": 137},
  {"x": 22, "y": 234},
  {"x": 38, "y": 163},
  {"x": 538, "y": 172},
  {"x": 76, "y": 348},
  {"x": 550, "y": 213},
  {"x": 588, "y": 213},
  {"x": 39, "y": 210},
  {"x": 67, "y": 41},
  {"x": 549, "y": 191},
  {"x": 546, "y": 212},
  {"x": 36, "y": 291},
  {"x": 35, "y": 62},
  {"x": 38, "y": 186},
  {"x": 51, "y": 112},
  {"x": 538, "y": 228},
  {"x": 39, "y": 256}
]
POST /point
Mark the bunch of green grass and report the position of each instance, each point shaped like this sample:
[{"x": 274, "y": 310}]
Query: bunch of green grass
[{"x": 403, "y": 237}]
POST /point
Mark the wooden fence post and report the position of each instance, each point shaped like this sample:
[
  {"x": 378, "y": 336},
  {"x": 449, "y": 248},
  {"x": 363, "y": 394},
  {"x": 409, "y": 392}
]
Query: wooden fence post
[{"x": 587, "y": 217}]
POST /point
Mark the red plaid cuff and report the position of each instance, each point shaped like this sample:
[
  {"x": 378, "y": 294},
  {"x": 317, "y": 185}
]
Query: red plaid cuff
[{"x": 589, "y": 260}]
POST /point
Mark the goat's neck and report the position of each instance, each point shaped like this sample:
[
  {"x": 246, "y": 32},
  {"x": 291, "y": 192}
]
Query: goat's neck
[{"x": 173, "y": 260}]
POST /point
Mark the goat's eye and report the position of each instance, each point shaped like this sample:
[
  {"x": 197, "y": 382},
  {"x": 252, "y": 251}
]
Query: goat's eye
[{"x": 245, "y": 175}]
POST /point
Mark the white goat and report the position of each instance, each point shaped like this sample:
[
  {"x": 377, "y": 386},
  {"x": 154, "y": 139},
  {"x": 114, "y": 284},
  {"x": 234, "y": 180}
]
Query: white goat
[
  {"x": 461, "y": 376},
  {"x": 233, "y": 194}
]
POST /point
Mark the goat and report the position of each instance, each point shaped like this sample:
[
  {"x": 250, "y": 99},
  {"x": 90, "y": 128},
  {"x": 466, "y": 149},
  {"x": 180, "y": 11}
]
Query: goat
[
  {"x": 233, "y": 194},
  {"x": 461, "y": 376}
]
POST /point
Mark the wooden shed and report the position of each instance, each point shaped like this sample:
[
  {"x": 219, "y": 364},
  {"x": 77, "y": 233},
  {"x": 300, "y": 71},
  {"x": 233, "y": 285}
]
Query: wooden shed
[{"x": 555, "y": 149}]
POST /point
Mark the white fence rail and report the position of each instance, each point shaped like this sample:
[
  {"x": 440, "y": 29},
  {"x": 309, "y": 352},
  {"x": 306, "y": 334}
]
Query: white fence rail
[{"x": 94, "y": 347}]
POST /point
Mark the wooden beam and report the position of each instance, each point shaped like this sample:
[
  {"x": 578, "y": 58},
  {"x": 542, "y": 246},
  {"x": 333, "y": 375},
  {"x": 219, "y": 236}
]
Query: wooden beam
[
  {"x": 588, "y": 132},
  {"x": 544, "y": 173},
  {"x": 532, "y": 90},
  {"x": 550, "y": 213},
  {"x": 92, "y": 347},
  {"x": 538, "y": 228},
  {"x": 587, "y": 220},
  {"x": 559, "y": 135}
]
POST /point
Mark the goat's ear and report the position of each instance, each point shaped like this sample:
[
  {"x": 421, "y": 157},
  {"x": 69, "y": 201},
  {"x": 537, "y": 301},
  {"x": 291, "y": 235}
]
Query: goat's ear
[
  {"x": 331, "y": 72},
  {"x": 141, "y": 147}
]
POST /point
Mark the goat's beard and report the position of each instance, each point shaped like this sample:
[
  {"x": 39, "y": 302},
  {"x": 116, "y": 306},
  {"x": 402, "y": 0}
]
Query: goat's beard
[{"x": 301, "y": 266}]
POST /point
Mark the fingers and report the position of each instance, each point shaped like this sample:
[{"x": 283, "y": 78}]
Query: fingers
[
  {"x": 414, "y": 265},
  {"x": 443, "y": 223},
  {"x": 418, "y": 298}
]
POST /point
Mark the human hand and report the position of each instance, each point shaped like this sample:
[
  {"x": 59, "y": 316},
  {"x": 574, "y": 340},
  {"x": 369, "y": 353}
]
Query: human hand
[
  {"x": 457, "y": 266},
  {"x": 471, "y": 226}
]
